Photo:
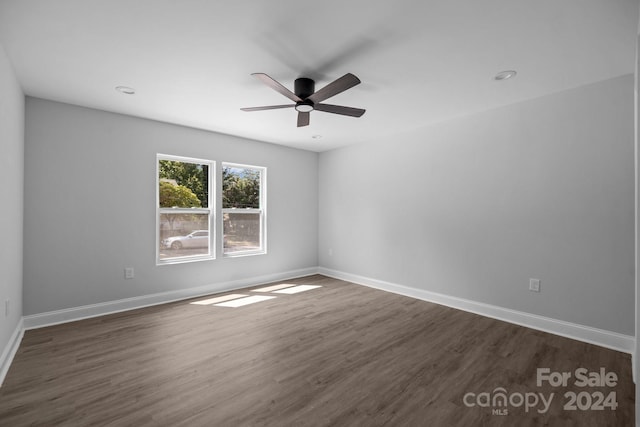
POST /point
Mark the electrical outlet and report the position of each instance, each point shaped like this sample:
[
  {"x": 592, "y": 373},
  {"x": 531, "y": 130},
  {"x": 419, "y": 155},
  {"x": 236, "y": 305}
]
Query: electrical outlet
[
  {"x": 129, "y": 273},
  {"x": 6, "y": 307},
  {"x": 534, "y": 285}
]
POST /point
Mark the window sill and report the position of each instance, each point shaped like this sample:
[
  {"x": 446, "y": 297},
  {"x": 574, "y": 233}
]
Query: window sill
[{"x": 185, "y": 260}]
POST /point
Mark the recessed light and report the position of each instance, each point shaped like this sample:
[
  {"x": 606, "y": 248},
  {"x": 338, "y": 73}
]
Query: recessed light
[
  {"x": 126, "y": 90},
  {"x": 505, "y": 75}
]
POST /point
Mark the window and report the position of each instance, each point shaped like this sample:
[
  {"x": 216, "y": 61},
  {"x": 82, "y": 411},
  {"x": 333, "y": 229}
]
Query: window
[
  {"x": 243, "y": 209},
  {"x": 184, "y": 209}
]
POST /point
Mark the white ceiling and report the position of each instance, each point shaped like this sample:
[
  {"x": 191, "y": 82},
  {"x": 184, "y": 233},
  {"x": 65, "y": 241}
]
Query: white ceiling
[{"x": 420, "y": 62}]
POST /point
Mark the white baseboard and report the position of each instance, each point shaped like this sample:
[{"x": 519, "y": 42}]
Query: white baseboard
[
  {"x": 10, "y": 350},
  {"x": 608, "y": 339},
  {"x": 84, "y": 312}
]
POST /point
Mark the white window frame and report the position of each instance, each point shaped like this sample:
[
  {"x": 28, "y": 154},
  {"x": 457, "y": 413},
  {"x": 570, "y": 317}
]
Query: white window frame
[
  {"x": 262, "y": 210},
  {"x": 210, "y": 210}
]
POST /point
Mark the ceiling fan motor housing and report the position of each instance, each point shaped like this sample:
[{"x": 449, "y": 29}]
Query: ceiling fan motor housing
[{"x": 304, "y": 87}]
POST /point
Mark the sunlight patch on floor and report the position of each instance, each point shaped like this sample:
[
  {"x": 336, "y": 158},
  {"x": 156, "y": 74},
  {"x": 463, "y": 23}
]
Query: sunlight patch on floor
[
  {"x": 211, "y": 301},
  {"x": 244, "y": 301},
  {"x": 297, "y": 289},
  {"x": 239, "y": 300},
  {"x": 274, "y": 287}
]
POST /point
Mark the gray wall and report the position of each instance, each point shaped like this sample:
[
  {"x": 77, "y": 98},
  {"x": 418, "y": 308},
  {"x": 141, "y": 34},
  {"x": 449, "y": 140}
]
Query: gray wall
[
  {"x": 90, "y": 206},
  {"x": 476, "y": 206},
  {"x": 471, "y": 208},
  {"x": 11, "y": 207}
]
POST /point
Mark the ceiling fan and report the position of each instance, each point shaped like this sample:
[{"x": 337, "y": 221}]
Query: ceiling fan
[{"x": 307, "y": 99}]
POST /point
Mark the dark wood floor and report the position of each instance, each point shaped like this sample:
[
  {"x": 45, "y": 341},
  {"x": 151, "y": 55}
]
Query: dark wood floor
[{"x": 339, "y": 355}]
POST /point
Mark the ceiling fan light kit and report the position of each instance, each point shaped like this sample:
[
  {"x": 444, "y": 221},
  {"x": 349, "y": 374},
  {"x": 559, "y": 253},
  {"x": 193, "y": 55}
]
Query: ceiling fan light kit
[{"x": 307, "y": 99}]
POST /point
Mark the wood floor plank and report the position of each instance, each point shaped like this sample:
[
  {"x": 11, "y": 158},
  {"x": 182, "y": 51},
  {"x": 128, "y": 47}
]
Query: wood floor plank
[{"x": 337, "y": 355}]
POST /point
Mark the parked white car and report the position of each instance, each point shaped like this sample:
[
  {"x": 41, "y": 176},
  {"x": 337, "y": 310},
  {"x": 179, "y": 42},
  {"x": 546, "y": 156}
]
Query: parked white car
[{"x": 195, "y": 239}]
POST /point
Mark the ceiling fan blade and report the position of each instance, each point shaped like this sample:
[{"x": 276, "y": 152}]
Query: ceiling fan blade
[
  {"x": 303, "y": 119},
  {"x": 268, "y": 107},
  {"x": 277, "y": 86},
  {"x": 339, "y": 109},
  {"x": 337, "y": 86}
]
